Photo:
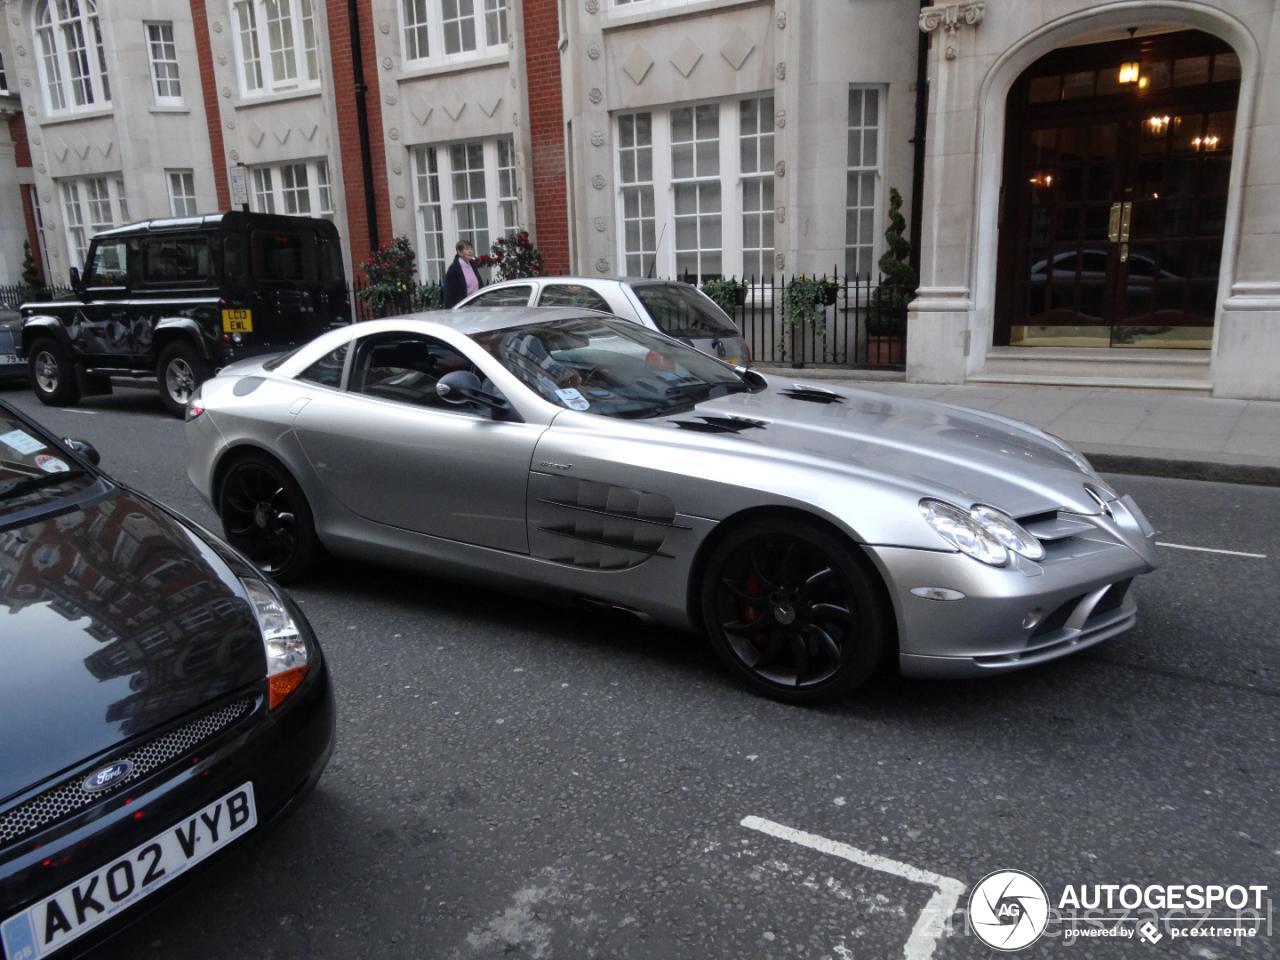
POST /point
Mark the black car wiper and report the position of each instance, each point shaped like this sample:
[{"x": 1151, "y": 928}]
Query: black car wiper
[
  {"x": 19, "y": 487},
  {"x": 689, "y": 389}
]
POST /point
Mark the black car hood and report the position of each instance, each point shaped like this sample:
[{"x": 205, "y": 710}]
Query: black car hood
[{"x": 114, "y": 620}]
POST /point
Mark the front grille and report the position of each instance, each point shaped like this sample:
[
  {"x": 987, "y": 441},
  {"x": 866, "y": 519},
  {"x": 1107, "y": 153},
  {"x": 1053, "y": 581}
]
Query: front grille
[{"x": 68, "y": 797}]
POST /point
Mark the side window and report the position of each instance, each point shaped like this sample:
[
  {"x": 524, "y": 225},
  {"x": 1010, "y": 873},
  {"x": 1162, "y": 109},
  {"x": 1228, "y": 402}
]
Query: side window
[
  {"x": 405, "y": 368},
  {"x": 176, "y": 260},
  {"x": 110, "y": 265},
  {"x": 235, "y": 264},
  {"x": 572, "y": 295},
  {"x": 281, "y": 256},
  {"x": 517, "y": 296},
  {"x": 327, "y": 371}
]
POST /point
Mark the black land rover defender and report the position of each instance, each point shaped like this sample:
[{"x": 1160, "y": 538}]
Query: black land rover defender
[{"x": 178, "y": 299}]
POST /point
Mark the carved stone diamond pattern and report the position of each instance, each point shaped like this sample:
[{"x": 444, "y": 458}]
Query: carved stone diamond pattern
[
  {"x": 638, "y": 64},
  {"x": 489, "y": 105},
  {"x": 686, "y": 57},
  {"x": 454, "y": 108},
  {"x": 256, "y": 134},
  {"x": 420, "y": 109},
  {"x": 737, "y": 48}
]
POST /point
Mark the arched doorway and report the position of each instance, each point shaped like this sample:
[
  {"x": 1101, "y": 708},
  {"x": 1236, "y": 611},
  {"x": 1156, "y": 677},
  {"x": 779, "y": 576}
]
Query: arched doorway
[{"x": 1117, "y": 163}]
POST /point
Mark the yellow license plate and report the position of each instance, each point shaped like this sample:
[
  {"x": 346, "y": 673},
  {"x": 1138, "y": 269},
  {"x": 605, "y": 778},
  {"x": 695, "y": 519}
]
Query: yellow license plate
[
  {"x": 237, "y": 321},
  {"x": 732, "y": 361}
]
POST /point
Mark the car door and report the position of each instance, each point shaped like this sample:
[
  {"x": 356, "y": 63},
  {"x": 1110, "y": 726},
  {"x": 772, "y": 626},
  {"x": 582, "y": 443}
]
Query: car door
[
  {"x": 392, "y": 451},
  {"x": 558, "y": 294},
  {"x": 104, "y": 332}
]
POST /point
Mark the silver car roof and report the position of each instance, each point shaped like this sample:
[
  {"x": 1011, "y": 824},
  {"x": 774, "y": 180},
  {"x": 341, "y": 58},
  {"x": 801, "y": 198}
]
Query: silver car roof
[{"x": 475, "y": 320}]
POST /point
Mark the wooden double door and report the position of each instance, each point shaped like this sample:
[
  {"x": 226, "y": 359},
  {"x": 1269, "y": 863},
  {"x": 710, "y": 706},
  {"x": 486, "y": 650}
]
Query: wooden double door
[{"x": 1115, "y": 194}]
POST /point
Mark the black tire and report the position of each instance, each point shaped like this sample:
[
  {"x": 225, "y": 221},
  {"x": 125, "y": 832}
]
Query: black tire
[
  {"x": 265, "y": 515},
  {"x": 52, "y": 374},
  {"x": 180, "y": 371},
  {"x": 793, "y": 611}
]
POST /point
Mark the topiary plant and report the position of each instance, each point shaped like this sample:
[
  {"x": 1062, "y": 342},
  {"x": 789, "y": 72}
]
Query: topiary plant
[{"x": 887, "y": 311}]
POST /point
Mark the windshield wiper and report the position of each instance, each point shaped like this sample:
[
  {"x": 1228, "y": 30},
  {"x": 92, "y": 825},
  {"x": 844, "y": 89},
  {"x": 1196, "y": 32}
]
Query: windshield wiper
[
  {"x": 18, "y": 488},
  {"x": 689, "y": 389}
]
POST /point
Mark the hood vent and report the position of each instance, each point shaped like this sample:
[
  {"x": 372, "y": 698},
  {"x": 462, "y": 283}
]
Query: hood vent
[
  {"x": 720, "y": 424},
  {"x": 811, "y": 394}
]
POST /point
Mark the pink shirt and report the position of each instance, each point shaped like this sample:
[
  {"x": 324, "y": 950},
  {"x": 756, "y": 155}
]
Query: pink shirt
[{"x": 468, "y": 272}]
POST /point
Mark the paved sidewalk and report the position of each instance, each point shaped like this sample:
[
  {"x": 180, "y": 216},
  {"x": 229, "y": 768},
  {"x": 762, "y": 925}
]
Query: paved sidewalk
[{"x": 1166, "y": 433}]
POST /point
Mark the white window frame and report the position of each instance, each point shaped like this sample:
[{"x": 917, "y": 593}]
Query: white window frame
[
  {"x": 91, "y": 205},
  {"x": 278, "y": 188},
  {"x": 731, "y": 193},
  {"x": 877, "y": 171},
  {"x": 251, "y": 24},
  {"x": 53, "y": 20},
  {"x": 484, "y": 14},
  {"x": 182, "y": 192},
  {"x": 446, "y": 203},
  {"x": 153, "y": 33}
]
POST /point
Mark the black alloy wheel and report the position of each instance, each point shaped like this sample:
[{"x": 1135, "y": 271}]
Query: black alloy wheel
[
  {"x": 53, "y": 376},
  {"x": 266, "y": 517},
  {"x": 791, "y": 609}
]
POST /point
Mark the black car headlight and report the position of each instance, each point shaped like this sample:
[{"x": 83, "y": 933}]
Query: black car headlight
[{"x": 288, "y": 656}]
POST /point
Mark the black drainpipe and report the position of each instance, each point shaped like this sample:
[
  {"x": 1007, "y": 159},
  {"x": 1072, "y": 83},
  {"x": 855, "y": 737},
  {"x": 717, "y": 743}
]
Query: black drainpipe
[
  {"x": 362, "y": 119},
  {"x": 917, "y": 141}
]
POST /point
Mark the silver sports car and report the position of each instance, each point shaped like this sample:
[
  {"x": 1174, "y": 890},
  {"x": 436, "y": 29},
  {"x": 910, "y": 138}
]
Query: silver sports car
[{"x": 812, "y": 533}]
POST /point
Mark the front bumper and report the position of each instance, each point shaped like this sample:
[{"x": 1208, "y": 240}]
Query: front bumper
[
  {"x": 1023, "y": 614},
  {"x": 283, "y": 753}
]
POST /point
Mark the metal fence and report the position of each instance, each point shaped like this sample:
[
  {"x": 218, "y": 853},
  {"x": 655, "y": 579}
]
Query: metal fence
[
  {"x": 862, "y": 322},
  {"x": 13, "y": 295}
]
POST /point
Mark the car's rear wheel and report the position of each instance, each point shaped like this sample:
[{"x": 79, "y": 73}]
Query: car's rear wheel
[
  {"x": 266, "y": 517},
  {"x": 791, "y": 610},
  {"x": 180, "y": 371},
  {"x": 53, "y": 376}
]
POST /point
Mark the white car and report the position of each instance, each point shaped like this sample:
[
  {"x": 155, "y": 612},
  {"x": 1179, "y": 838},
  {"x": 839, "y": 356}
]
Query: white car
[{"x": 677, "y": 309}]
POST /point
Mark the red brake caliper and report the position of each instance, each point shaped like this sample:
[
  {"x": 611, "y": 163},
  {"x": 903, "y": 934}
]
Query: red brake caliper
[{"x": 748, "y": 613}]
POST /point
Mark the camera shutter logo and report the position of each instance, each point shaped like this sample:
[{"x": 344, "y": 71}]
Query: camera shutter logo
[{"x": 1008, "y": 910}]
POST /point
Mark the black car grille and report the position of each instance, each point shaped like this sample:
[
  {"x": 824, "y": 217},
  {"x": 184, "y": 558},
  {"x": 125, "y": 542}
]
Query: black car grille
[{"x": 70, "y": 796}]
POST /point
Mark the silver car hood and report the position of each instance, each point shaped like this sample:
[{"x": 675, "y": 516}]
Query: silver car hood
[{"x": 966, "y": 456}]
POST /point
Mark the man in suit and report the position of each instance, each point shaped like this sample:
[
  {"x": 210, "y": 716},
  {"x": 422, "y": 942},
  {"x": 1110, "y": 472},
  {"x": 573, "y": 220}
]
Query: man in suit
[{"x": 461, "y": 279}]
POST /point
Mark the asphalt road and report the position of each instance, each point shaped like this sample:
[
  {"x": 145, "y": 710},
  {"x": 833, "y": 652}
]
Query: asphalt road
[{"x": 521, "y": 780}]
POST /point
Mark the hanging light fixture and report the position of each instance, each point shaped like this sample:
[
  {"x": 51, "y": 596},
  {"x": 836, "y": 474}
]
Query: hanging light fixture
[{"x": 1129, "y": 72}]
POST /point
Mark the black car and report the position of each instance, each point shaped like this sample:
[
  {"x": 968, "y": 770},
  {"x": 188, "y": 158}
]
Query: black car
[
  {"x": 179, "y": 298},
  {"x": 11, "y": 365},
  {"x": 159, "y": 700}
]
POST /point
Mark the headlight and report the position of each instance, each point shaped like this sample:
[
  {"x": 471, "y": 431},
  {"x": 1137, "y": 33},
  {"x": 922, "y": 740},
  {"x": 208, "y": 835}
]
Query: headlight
[
  {"x": 1008, "y": 531},
  {"x": 287, "y": 653},
  {"x": 984, "y": 533},
  {"x": 963, "y": 532},
  {"x": 1076, "y": 457}
]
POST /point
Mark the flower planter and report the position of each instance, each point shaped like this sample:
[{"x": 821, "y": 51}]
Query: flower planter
[
  {"x": 740, "y": 296},
  {"x": 887, "y": 350},
  {"x": 829, "y": 295}
]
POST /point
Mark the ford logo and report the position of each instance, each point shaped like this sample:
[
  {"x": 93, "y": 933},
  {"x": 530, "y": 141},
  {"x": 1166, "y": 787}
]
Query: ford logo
[{"x": 107, "y": 776}]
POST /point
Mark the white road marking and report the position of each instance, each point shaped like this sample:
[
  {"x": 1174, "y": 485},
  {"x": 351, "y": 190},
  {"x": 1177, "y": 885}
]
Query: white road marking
[
  {"x": 1229, "y": 553},
  {"x": 87, "y": 413},
  {"x": 932, "y": 921}
]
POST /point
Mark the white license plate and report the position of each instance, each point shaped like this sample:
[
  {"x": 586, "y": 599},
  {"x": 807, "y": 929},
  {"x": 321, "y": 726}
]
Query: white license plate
[
  {"x": 7, "y": 358},
  {"x": 96, "y": 897}
]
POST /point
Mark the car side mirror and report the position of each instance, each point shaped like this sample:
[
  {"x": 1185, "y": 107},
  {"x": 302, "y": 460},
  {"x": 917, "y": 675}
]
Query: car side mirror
[
  {"x": 463, "y": 386},
  {"x": 77, "y": 284},
  {"x": 84, "y": 448}
]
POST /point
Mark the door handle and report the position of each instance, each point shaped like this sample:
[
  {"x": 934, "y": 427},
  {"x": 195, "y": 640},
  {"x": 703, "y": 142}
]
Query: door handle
[
  {"x": 1126, "y": 216},
  {"x": 1113, "y": 225}
]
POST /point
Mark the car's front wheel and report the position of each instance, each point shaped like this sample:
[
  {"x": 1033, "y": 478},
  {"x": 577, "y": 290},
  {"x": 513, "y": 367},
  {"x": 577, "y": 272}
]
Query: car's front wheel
[
  {"x": 53, "y": 376},
  {"x": 791, "y": 610},
  {"x": 265, "y": 515},
  {"x": 180, "y": 371}
]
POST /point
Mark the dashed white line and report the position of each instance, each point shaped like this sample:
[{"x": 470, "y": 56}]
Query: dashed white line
[
  {"x": 1229, "y": 553},
  {"x": 932, "y": 921},
  {"x": 87, "y": 413}
]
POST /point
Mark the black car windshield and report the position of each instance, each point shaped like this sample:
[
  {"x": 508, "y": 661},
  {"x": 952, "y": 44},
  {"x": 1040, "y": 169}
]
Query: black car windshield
[
  {"x": 680, "y": 311},
  {"x": 32, "y": 470},
  {"x": 613, "y": 368}
]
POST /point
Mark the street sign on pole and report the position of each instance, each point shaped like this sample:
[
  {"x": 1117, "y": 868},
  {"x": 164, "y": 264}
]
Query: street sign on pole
[{"x": 240, "y": 186}]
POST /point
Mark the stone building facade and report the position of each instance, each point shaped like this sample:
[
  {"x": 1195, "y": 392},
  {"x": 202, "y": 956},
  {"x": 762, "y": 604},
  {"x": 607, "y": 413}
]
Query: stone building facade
[{"x": 1099, "y": 199}]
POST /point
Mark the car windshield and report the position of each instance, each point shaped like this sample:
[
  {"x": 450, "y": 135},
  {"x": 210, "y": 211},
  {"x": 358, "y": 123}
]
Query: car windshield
[
  {"x": 609, "y": 367},
  {"x": 33, "y": 471},
  {"x": 680, "y": 311}
]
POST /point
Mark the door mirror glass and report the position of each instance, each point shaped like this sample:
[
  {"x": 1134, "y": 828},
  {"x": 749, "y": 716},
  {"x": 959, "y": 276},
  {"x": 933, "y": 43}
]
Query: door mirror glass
[
  {"x": 84, "y": 448},
  {"x": 76, "y": 284},
  {"x": 463, "y": 386}
]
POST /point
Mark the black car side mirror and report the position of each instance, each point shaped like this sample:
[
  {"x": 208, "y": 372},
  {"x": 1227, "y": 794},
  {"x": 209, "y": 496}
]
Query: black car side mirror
[
  {"x": 77, "y": 284},
  {"x": 463, "y": 386},
  {"x": 84, "y": 448}
]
